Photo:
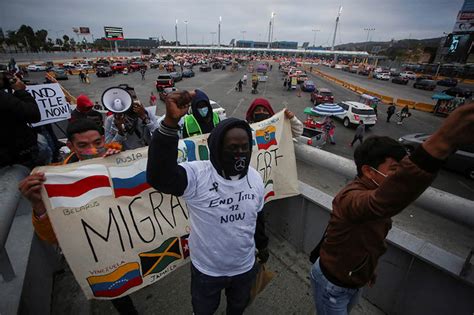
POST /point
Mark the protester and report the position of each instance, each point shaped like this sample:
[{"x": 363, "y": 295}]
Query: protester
[
  {"x": 359, "y": 134},
  {"x": 152, "y": 99},
  {"x": 142, "y": 72},
  {"x": 329, "y": 128},
  {"x": 387, "y": 182},
  {"x": 260, "y": 109},
  {"x": 404, "y": 113},
  {"x": 18, "y": 141},
  {"x": 85, "y": 110},
  {"x": 86, "y": 141},
  {"x": 82, "y": 76},
  {"x": 390, "y": 111},
  {"x": 244, "y": 79},
  {"x": 132, "y": 129},
  {"x": 239, "y": 85},
  {"x": 222, "y": 252},
  {"x": 202, "y": 119}
]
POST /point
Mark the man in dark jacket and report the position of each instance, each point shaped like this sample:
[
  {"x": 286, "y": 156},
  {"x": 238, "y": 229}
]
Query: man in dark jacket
[
  {"x": 221, "y": 242},
  {"x": 390, "y": 112},
  {"x": 387, "y": 181},
  {"x": 18, "y": 141},
  {"x": 203, "y": 119}
]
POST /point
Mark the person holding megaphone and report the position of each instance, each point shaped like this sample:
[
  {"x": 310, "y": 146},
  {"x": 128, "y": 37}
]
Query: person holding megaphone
[{"x": 131, "y": 124}]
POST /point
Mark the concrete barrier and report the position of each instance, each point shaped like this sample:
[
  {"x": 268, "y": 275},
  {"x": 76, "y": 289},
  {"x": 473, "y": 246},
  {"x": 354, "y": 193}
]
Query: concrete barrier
[
  {"x": 424, "y": 107},
  {"x": 402, "y": 102}
]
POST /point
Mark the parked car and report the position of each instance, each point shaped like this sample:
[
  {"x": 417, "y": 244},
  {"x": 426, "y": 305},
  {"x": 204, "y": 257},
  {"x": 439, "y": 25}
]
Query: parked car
[
  {"x": 400, "y": 80},
  {"x": 424, "y": 84},
  {"x": 216, "y": 65},
  {"x": 69, "y": 65},
  {"x": 137, "y": 65},
  {"x": 322, "y": 95},
  {"x": 164, "y": 81},
  {"x": 461, "y": 161},
  {"x": 216, "y": 108},
  {"x": 83, "y": 66},
  {"x": 104, "y": 72},
  {"x": 449, "y": 82},
  {"x": 355, "y": 112},
  {"x": 188, "y": 73},
  {"x": 363, "y": 72},
  {"x": 459, "y": 92},
  {"x": 59, "y": 73},
  {"x": 205, "y": 68},
  {"x": 382, "y": 76},
  {"x": 308, "y": 86},
  {"x": 118, "y": 67},
  {"x": 408, "y": 74},
  {"x": 36, "y": 68},
  {"x": 424, "y": 77},
  {"x": 177, "y": 76}
]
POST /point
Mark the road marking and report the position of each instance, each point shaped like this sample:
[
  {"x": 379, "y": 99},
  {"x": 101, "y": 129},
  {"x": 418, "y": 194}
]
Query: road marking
[
  {"x": 465, "y": 185},
  {"x": 238, "y": 105},
  {"x": 230, "y": 90}
]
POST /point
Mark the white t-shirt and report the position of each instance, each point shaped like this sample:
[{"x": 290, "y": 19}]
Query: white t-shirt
[{"x": 223, "y": 216}]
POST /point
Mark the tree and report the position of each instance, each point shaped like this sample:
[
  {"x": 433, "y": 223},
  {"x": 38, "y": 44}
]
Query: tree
[{"x": 59, "y": 42}]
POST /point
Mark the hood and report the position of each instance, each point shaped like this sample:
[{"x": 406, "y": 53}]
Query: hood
[
  {"x": 216, "y": 138},
  {"x": 200, "y": 97},
  {"x": 258, "y": 102}
]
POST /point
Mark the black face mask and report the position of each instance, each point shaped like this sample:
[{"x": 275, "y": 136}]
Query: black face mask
[
  {"x": 260, "y": 116},
  {"x": 235, "y": 163}
]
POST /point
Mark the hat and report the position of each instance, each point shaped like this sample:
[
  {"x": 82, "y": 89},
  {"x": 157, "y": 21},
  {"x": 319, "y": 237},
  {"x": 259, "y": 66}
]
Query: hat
[{"x": 84, "y": 103}]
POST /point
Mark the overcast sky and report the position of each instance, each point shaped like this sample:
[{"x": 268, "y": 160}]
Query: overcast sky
[{"x": 294, "y": 20}]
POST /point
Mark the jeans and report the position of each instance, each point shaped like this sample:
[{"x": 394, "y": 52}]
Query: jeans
[
  {"x": 360, "y": 138},
  {"x": 206, "y": 291},
  {"x": 329, "y": 298}
]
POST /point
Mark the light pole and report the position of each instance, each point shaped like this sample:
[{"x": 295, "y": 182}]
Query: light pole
[
  {"x": 212, "y": 33},
  {"x": 271, "y": 24},
  {"x": 314, "y": 38},
  {"x": 176, "y": 32},
  {"x": 187, "y": 45},
  {"x": 219, "y": 32},
  {"x": 243, "y": 34},
  {"x": 368, "y": 30}
]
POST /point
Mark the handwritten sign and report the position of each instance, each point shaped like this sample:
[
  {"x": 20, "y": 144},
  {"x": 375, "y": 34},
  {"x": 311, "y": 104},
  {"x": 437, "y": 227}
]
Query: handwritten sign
[
  {"x": 118, "y": 234},
  {"x": 51, "y": 103}
]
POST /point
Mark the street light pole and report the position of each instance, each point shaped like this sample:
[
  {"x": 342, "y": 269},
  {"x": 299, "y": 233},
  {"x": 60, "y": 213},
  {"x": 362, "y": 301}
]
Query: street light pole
[
  {"x": 212, "y": 33},
  {"x": 368, "y": 30},
  {"x": 186, "y": 26},
  {"x": 219, "y": 32},
  {"x": 243, "y": 34},
  {"x": 176, "y": 32},
  {"x": 314, "y": 38}
]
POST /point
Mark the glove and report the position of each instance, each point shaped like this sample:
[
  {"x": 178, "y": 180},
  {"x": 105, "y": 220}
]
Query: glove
[{"x": 263, "y": 255}]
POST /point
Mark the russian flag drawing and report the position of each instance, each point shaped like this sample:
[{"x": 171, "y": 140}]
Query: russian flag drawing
[
  {"x": 75, "y": 189},
  {"x": 129, "y": 180}
]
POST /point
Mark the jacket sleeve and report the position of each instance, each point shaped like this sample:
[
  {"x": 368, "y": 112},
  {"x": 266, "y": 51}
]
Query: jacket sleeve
[
  {"x": 20, "y": 105},
  {"x": 163, "y": 172},
  {"x": 111, "y": 133},
  {"x": 261, "y": 239},
  {"x": 153, "y": 124},
  {"x": 397, "y": 191},
  {"x": 296, "y": 127},
  {"x": 43, "y": 229}
]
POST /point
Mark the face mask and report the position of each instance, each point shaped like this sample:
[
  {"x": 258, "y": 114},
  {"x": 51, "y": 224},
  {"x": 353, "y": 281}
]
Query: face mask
[
  {"x": 203, "y": 111},
  {"x": 384, "y": 175},
  {"x": 235, "y": 163},
  {"x": 92, "y": 153},
  {"x": 260, "y": 116}
]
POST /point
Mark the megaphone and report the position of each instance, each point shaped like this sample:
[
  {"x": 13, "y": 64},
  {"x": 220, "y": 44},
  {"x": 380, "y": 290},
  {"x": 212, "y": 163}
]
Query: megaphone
[{"x": 117, "y": 100}]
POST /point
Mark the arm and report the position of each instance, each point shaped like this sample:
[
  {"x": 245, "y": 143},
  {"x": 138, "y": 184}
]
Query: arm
[
  {"x": 296, "y": 124},
  {"x": 153, "y": 122},
  {"x": 111, "y": 133},
  {"x": 163, "y": 172},
  {"x": 20, "y": 105}
]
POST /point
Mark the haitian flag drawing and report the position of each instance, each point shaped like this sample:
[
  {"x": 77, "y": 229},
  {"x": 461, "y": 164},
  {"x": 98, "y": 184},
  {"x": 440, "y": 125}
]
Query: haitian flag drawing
[{"x": 119, "y": 235}]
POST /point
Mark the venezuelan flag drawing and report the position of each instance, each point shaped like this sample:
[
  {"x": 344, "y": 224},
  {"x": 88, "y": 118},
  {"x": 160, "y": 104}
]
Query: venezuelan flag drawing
[
  {"x": 158, "y": 259},
  {"x": 117, "y": 282},
  {"x": 78, "y": 187},
  {"x": 266, "y": 137},
  {"x": 129, "y": 180}
]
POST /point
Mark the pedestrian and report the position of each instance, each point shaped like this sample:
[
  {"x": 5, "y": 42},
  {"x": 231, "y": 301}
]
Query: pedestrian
[
  {"x": 271, "y": 67},
  {"x": 239, "y": 85},
  {"x": 310, "y": 69},
  {"x": 82, "y": 76},
  {"x": 329, "y": 128},
  {"x": 388, "y": 180},
  {"x": 390, "y": 111},
  {"x": 202, "y": 120},
  {"x": 152, "y": 101},
  {"x": 285, "y": 82},
  {"x": 359, "y": 133},
  {"x": 222, "y": 253},
  {"x": 87, "y": 79},
  {"x": 142, "y": 72},
  {"x": 404, "y": 113},
  {"x": 85, "y": 110},
  {"x": 244, "y": 79}
]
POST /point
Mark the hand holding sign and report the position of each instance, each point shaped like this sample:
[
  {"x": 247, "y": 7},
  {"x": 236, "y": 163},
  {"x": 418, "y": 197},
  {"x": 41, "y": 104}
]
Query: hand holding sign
[{"x": 177, "y": 105}]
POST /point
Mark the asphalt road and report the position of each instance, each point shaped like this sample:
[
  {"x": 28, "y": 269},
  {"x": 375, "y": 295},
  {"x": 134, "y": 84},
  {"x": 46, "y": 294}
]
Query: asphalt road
[
  {"x": 387, "y": 88},
  {"x": 220, "y": 87}
]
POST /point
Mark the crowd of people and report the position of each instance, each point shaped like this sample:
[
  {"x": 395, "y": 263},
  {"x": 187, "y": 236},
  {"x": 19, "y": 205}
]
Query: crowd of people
[{"x": 226, "y": 256}]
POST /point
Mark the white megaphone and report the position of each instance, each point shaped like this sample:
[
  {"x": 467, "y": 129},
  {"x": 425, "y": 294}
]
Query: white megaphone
[{"x": 117, "y": 100}]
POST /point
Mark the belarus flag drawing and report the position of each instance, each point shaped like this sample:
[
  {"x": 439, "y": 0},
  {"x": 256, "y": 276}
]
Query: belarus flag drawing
[
  {"x": 129, "y": 180},
  {"x": 75, "y": 189}
]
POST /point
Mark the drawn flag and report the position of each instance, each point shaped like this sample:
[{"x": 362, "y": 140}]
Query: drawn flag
[
  {"x": 269, "y": 189},
  {"x": 75, "y": 189},
  {"x": 184, "y": 245},
  {"x": 117, "y": 282},
  {"x": 266, "y": 137},
  {"x": 158, "y": 259},
  {"x": 129, "y": 180}
]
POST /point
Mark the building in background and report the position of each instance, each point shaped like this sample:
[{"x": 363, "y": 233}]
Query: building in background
[{"x": 276, "y": 44}]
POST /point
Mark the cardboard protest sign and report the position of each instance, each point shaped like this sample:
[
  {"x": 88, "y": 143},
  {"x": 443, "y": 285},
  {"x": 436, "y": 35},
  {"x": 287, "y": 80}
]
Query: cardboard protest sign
[
  {"x": 51, "y": 103},
  {"x": 118, "y": 234}
]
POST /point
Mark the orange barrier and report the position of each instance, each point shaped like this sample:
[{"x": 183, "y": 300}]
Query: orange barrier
[
  {"x": 74, "y": 72},
  {"x": 424, "y": 107},
  {"x": 402, "y": 102}
]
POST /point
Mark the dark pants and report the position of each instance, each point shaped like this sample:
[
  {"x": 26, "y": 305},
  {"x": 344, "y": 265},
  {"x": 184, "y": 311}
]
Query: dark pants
[
  {"x": 124, "y": 306},
  {"x": 356, "y": 137},
  {"x": 206, "y": 291},
  {"x": 389, "y": 115}
]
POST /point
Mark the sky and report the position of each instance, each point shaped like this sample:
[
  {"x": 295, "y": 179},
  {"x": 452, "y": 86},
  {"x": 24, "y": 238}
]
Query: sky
[{"x": 249, "y": 19}]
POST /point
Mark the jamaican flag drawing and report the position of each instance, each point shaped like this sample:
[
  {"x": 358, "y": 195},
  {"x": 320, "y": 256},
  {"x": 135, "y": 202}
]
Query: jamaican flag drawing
[{"x": 158, "y": 259}]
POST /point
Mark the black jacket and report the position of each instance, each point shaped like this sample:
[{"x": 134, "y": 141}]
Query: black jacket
[
  {"x": 18, "y": 142},
  {"x": 165, "y": 175}
]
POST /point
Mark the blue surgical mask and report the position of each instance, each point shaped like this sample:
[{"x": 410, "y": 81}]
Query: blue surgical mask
[{"x": 203, "y": 111}]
